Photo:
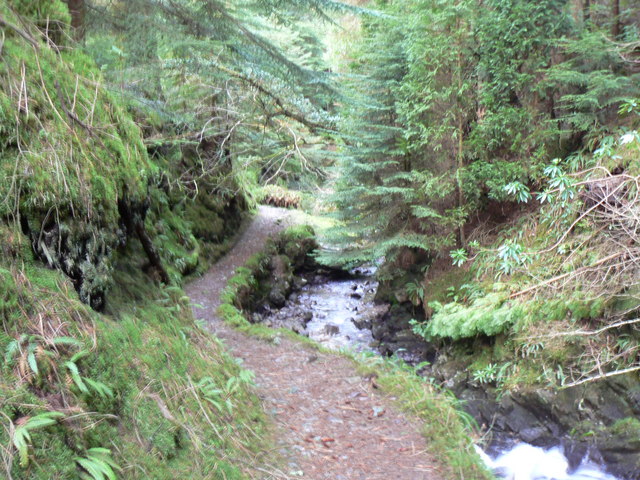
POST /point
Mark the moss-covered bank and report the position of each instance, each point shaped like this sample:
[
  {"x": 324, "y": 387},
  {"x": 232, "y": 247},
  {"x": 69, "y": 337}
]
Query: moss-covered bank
[
  {"x": 91, "y": 220},
  {"x": 268, "y": 276}
]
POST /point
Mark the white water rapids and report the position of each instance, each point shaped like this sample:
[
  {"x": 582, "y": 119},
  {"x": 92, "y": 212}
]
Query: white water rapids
[{"x": 526, "y": 462}]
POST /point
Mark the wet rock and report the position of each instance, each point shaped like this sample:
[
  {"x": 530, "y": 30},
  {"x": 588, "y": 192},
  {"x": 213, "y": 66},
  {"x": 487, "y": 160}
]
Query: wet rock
[
  {"x": 277, "y": 298},
  {"x": 380, "y": 331},
  {"x": 299, "y": 283},
  {"x": 621, "y": 454},
  {"x": 307, "y": 317},
  {"x": 585, "y": 420},
  {"x": 576, "y": 452},
  {"x": 331, "y": 329},
  {"x": 361, "y": 323},
  {"x": 357, "y": 296}
]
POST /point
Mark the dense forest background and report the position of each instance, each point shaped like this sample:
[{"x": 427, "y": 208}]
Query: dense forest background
[
  {"x": 482, "y": 152},
  {"x": 498, "y": 136}
]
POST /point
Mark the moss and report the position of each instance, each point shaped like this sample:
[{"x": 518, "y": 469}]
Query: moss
[
  {"x": 250, "y": 285},
  {"x": 629, "y": 427},
  {"x": 134, "y": 384},
  {"x": 78, "y": 152},
  {"x": 205, "y": 224},
  {"x": 149, "y": 352}
]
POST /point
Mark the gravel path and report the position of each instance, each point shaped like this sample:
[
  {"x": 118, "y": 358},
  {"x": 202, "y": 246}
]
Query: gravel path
[{"x": 331, "y": 422}]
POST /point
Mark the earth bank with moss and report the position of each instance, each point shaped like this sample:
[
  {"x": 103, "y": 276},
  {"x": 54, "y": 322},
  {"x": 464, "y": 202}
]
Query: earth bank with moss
[{"x": 105, "y": 371}]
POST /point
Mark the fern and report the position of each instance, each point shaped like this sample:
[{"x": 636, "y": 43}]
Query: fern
[
  {"x": 75, "y": 376},
  {"x": 22, "y": 434},
  {"x": 84, "y": 384},
  {"x": 98, "y": 465}
]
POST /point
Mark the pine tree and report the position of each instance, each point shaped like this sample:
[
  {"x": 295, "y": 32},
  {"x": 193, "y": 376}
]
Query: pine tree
[
  {"x": 245, "y": 79},
  {"x": 392, "y": 204}
]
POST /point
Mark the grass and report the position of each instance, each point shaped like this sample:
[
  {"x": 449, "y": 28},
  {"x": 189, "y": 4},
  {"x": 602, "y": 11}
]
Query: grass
[{"x": 140, "y": 390}]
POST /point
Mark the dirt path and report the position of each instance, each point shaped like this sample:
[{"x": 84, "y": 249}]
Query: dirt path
[{"x": 332, "y": 424}]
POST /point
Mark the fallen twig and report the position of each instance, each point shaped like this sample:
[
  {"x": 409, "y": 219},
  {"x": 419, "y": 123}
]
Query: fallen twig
[
  {"x": 601, "y": 376},
  {"x": 19, "y": 31}
]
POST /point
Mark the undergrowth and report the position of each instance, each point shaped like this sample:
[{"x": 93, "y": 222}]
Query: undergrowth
[
  {"x": 141, "y": 392},
  {"x": 557, "y": 287}
]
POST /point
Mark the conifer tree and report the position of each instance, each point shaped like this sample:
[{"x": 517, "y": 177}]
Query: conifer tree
[{"x": 244, "y": 78}]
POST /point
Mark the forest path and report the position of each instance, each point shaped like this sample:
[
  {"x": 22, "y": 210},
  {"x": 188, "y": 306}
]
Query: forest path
[{"x": 331, "y": 423}]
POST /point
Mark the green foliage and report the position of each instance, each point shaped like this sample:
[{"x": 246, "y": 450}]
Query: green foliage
[
  {"x": 493, "y": 373},
  {"x": 242, "y": 83},
  {"x": 98, "y": 465},
  {"x": 68, "y": 151},
  {"x": 22, "y": 434},
  {"x": 85, "y": 384},
  {"x": 415, "y": 291},
  {"x": 592, "y": 84},
  {"x": 488, "y": 315},
  {"x": 122, "y": 390},
  {"x": 511, "y": 255},
  {"x": 221, "y": 397},
  {"x": 459, "y": 256},
  {"x": 519, "y": 191},
  {"x": 456, "y": 110}
]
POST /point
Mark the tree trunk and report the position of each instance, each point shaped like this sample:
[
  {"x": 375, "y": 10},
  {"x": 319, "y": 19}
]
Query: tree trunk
[
  {"x": 586, "y": 12},
  {"x": 615, "y": 13},
  {"x": 462, "y": 240},
  {"x": 77, "y": 9}
]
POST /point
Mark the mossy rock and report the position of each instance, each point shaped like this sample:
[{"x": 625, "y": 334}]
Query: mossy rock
[{"x": 206, "y": 224}]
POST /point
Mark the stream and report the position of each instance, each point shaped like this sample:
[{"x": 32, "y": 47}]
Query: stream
[{"x": 337, "y": 312}]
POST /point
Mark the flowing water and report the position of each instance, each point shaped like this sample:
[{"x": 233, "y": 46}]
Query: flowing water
[
  {"x": 341, "y": 311},
  {"x": 526, "y": 462},
  {"x": 337, "y": 313}
]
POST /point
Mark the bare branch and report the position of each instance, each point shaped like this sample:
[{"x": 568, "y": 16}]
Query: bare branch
[
  {"x": 601, "y": 376},
  {"x": 19, "y": 31}
]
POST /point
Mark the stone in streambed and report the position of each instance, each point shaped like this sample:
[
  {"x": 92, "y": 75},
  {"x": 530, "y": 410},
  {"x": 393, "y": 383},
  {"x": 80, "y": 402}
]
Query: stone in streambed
[
  {"x": 533, "y": 435},
  {"x": 277, "y": 298},
  {"x": 331, "y": 329},
  {"x": 299, "y": 282}
]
